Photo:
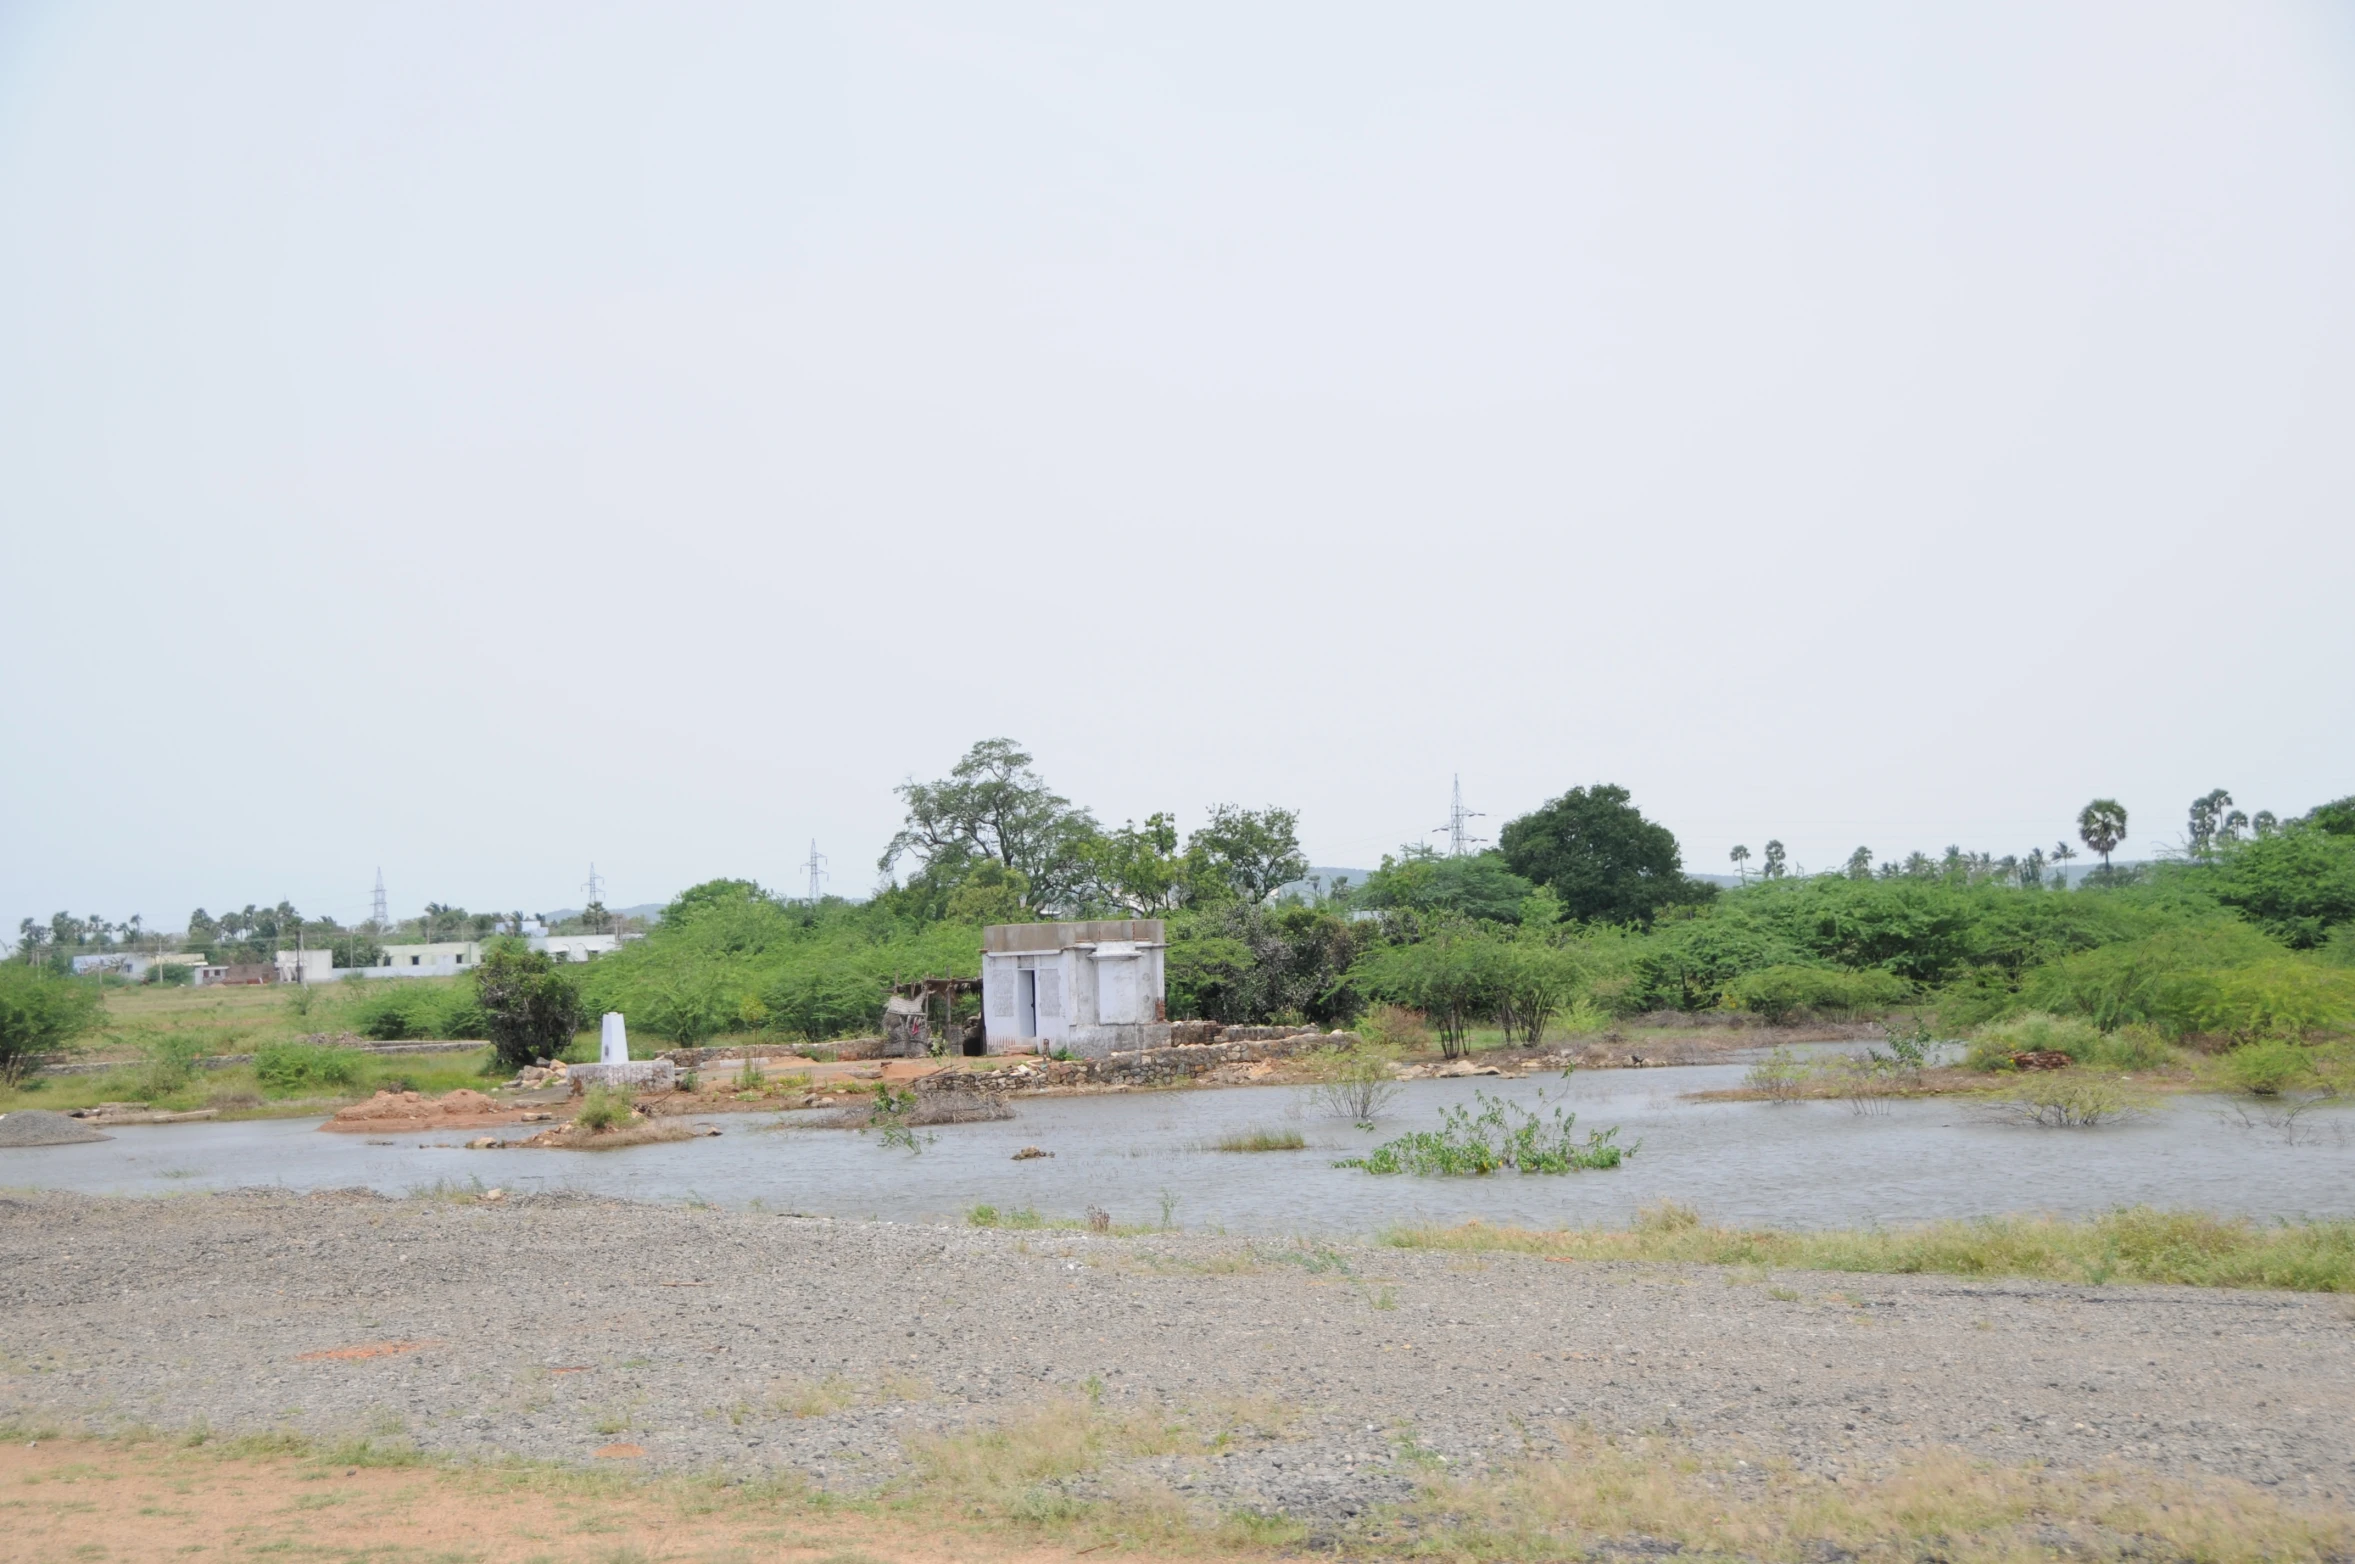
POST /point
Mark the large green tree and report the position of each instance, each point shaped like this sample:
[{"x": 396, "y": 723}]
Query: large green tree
[
  {"x": 993, "y": 805},
  {"x": 1253, "y": 850},
  {"x": 1600, "y": 856},
  {"x": 530, "y": 1004},
  {"x": 1476, "y": 885}
]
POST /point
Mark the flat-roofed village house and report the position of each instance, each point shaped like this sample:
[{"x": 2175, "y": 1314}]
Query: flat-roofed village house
[{"x": 1083, "y": 988}]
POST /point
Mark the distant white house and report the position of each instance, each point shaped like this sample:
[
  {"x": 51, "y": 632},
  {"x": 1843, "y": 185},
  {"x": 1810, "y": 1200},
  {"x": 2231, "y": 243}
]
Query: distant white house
[
  {"x": 1088, "y": 988},
  {"x": 575, "y": 947},
  {"x": 457, "y": 957},
  {"x": 439, "y": 958}
]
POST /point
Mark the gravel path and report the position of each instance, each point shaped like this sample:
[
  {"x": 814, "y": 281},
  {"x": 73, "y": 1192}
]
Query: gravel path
[{"x": 549, "y": 1327}]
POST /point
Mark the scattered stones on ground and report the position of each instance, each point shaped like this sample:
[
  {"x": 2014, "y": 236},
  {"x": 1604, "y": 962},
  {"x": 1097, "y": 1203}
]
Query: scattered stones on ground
[{"x": 1382, "y": 1358}]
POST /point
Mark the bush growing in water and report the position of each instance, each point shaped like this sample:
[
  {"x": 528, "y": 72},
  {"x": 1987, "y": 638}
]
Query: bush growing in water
[
  {"x": 2067, "y": 1100},
  {"x": 1782, "y": 1075},
  {"x": 293, "y": 1067},
  {"x": 1501, "y": 1135},
  {"x": 1355, "y": 1086}
]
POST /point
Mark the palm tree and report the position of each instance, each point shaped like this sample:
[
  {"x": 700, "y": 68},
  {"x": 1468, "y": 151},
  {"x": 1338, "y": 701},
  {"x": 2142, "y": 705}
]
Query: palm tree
[
  {"x": 1741, "y": 857},
  {"x": 1774, "y": 860},
  {"x": 2101, "y": 825}
]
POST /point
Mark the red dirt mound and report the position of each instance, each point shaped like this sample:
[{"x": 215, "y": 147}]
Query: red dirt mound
[{"x": 461, "y": 1109}]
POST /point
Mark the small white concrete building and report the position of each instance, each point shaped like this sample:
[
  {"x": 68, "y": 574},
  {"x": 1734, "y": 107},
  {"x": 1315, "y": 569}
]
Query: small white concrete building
[{"x": 1086, "y": 988}]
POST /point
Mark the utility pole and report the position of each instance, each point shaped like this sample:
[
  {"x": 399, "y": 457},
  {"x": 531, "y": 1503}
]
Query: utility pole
[
  {"x": 1460, "y": 839},
  {"x": 817, "y": 871}
]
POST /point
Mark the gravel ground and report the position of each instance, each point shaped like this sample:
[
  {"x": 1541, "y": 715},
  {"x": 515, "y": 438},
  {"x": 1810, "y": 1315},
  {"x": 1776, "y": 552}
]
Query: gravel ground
[{"x": 549, "y": 1327}]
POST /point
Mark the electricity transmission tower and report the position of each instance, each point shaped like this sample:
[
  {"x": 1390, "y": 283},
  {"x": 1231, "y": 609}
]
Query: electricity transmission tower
[
  {"x": 594, "y": 884},
  {"x": 817, "y": 871},
  {"x": 1460, "y": 839},
  {"x": 377, "y": 913}
]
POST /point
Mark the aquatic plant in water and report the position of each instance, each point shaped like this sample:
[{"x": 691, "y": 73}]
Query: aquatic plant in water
[{"x": 1500, "y": 1135}]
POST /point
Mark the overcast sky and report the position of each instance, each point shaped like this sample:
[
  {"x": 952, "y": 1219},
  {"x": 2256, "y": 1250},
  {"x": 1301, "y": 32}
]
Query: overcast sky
[{"x": 475, "y": 440}]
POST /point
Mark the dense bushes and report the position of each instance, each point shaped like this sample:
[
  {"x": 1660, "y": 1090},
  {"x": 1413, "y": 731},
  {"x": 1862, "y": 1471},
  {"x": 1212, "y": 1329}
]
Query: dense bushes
[
  {"x": 285, "y": 1068},
  {"x": 39, "y": 1015},
  {"x": 726, "y": 957},
  {"x": 1780, "y": 993},
  {"x": 405, "y": 1010}
]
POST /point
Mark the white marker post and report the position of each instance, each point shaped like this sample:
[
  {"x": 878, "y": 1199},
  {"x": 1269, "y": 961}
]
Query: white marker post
[{"x": 613, "y": 1046}]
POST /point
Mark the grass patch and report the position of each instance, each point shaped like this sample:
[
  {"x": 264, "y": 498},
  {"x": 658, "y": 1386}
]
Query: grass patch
[
  {"x": 2136, "y": 1244},
  {"x": 1260, "y": 1140},
  {"x": 1942, "y": 1505},
  {"x": 1050, "y": 1480}
]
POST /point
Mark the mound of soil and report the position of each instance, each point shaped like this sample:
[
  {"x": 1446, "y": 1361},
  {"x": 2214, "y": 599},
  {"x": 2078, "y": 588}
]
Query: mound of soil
[
  {"x": 40, "y": 1127},
  {"x": 461, "y": 1109}
]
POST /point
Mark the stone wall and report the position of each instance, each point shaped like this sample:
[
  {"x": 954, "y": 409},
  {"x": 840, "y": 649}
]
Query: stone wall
[{"x": 1145, "y": 1067}]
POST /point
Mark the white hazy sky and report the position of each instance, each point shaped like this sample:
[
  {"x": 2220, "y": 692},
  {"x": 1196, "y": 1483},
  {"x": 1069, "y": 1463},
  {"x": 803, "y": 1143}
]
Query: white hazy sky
[{"x": 473, "y": 440}]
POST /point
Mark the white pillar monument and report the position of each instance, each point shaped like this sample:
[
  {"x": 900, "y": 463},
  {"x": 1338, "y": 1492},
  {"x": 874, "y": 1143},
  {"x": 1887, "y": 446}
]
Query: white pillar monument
[{"x": 613, "y": 1047}]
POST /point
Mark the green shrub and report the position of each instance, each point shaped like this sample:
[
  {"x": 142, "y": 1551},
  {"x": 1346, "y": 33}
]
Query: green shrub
[
  {"x": 39, "y": 1015},
  {"x": 2158, "y": 979},
  {"x": 1779, "y": 993},
  {"x": 286, "y": 1068},
  {"x": 1993, "y": 1046},
  {"x": 529, "y": 1005},
  {"x": 604, "y": 1108},
  {"x": 169, "y": 1065},
  {"x": 2266, "y": 1069},
  {"x": 398, "y": 1010},
  {"x": 2286, "y": 997},
  {"x": 2133, "y": 1048},
  {"x": 1501, "y": 1135}
]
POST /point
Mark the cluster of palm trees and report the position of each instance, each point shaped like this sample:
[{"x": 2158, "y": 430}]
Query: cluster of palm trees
[{"x": 64, "y": 931}]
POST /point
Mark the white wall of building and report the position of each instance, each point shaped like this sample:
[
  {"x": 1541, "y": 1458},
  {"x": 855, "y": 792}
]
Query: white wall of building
[
  {"x": 1088, "y": 988},
  {"x": 576, "y": 947}
]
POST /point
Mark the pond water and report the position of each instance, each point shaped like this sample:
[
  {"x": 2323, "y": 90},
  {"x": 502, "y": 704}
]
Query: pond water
[{"x": 1814, "y": 1164}]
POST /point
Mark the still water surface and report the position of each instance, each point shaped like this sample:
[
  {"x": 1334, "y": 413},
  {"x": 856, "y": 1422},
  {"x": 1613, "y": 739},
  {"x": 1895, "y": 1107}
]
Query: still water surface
[{"x": 1792, "y": 1165}]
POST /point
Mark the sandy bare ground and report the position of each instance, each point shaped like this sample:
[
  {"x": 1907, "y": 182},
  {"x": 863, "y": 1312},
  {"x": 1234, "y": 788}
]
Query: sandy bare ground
[{"x": 550, "y": 1328}]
